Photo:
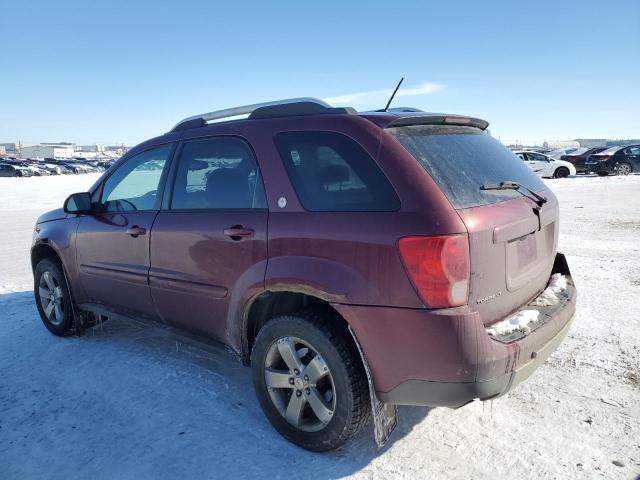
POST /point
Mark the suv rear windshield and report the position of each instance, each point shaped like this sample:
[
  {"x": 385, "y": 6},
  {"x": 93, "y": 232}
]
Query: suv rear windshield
[{"x": 462, "y": 159}]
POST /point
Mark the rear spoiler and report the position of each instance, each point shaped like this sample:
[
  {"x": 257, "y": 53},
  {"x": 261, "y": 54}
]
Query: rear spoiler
[{"x": 439, "y": 120}]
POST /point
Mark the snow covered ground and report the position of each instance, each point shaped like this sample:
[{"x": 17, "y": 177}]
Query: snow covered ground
[{"x": 131, "y": 402}]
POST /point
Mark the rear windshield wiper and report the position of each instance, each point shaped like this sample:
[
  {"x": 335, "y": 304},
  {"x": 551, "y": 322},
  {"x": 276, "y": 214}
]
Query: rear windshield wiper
[{"x": 510, "y": 185}]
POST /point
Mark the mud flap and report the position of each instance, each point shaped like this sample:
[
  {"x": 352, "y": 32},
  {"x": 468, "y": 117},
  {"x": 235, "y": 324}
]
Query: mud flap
[{"x": 385, "y": 415}]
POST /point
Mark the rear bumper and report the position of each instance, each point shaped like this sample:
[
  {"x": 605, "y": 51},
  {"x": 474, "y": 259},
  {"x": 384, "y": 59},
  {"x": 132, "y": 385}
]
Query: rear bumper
[
  {"x": 446, "y": 358},
  {"x": 454, "y": 395}
]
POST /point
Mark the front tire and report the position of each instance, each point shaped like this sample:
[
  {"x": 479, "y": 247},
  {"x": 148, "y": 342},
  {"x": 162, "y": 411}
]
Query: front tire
[
  {"x": 561, "y": 172},
  {"x": 52, "y": 298},
  {"x": 310, "y": 381}
]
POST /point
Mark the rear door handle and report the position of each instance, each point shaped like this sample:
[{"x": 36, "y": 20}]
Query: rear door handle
[
  {"x": 136, "y": 230},
  {"x": 238, "y": 232}
]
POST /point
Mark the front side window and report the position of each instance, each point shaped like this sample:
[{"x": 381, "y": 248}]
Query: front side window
[
  {"x": 134, "y": 185},
  {"x": 332, "y": 173},
  {"x": 217, "y": 173}
]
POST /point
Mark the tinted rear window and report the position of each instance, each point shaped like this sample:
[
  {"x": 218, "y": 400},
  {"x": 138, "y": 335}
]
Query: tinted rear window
[
  {"x": 332, "y": 173},
  {"x": 462, "y": 159}
]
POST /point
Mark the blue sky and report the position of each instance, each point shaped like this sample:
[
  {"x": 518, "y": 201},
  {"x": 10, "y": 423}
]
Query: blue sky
[{"x": 123, "y": 71}]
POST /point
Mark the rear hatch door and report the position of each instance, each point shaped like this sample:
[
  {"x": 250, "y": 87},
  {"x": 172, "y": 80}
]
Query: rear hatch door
[{"x": 512, "y": 240}]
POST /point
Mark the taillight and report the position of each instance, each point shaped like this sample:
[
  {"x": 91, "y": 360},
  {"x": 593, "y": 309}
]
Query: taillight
[
  {"x": 438, "y": 267},
  {"x": 603, "y": 159}
]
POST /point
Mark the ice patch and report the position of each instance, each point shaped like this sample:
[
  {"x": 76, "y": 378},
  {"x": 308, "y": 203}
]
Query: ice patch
[
  {"x": 554, "y": 292},
  {"x": 519, "y": 321}
]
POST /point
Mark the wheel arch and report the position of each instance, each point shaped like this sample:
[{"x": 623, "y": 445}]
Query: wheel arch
[
  {"x": 273, "y": 303},
  {"x": 43, "y": 250}
]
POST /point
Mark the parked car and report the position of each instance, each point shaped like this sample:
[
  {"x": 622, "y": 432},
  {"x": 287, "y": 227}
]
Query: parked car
[
  {"x": 8, "y": 170},
  {"x": 578, "y": 160},
  {"x": 340, "y": 254},
  {"x": 35, "y": 170},
  {"x": 620, "y": 160},
  {"x": 14, "y": 170},
  {"x": 545, "y": 166},
  {"x": 559, "y": 152}
]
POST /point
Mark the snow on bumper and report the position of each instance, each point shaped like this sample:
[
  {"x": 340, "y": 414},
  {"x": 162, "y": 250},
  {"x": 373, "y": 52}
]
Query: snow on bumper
[{"x": 525, "y": 320}]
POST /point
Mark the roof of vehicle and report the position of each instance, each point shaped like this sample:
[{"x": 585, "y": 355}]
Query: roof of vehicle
[
  {"x": 530, "y": 151},
  {"x": 403, "y": 116},
  {"x": 612, "y": 149}
]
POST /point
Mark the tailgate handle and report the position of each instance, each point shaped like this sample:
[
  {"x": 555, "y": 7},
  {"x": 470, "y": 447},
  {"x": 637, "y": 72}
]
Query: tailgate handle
[{"x": 517, "y": 229}]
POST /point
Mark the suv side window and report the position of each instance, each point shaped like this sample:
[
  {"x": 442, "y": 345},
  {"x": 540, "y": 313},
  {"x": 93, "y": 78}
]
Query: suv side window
[
  {"x": 332, "y": 173},
  {"x": 134, "y": 185},
  {"x": 217, "y": 173}
]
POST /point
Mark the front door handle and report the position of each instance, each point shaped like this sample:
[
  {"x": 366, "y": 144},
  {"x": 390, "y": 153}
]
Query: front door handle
[
  {"x": 238, "y": 232},
  {"x": 136, "y": 230}
]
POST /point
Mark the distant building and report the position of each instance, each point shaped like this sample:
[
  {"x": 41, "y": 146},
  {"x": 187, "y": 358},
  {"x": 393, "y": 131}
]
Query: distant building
[
  {"x": 90, "y": 148},
  {"x": 47, "y": 151},
  {"x": 615, "y": 143},
  {"x": 9, "y": 148},
  {"x": 592, "y": 142},
  {"x": 562, "y": 143}
]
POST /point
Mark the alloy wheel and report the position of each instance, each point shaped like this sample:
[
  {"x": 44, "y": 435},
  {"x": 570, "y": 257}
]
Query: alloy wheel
[
  {"x": 300, "y": 384},
  {"x": 51, "y": 298},
  {"x": 623, "y": 169}
]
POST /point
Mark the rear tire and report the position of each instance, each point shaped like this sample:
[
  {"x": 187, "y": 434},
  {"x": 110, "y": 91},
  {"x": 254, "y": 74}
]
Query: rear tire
[
  {"x": 624, "y": 168},
  {"x": 561, "y": 172},
  {"x": 290, "y": 403},
  {"x": 52, "y": 298}
]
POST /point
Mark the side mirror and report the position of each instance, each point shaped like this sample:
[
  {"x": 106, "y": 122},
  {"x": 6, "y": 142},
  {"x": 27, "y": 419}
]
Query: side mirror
[{"x": 78, "y": 203}]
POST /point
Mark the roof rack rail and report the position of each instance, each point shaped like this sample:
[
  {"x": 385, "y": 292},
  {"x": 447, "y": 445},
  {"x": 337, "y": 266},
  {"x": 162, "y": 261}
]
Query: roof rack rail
[
  {"x": 404, "y": 109},
  {"x": 278, "y": 108}
]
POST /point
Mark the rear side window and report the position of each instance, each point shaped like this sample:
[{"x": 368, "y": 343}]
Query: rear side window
[
  {"x": 332, "y": 173},
  {"x": 462, "y": 159},
  {"x": 217, "y": 173}
]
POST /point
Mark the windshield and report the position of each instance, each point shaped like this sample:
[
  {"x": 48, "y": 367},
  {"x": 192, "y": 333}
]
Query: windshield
[{"x": 463, "y": 159}]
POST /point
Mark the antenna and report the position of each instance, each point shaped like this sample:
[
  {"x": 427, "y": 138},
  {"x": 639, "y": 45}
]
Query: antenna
[{"x": 393, "y": 94}]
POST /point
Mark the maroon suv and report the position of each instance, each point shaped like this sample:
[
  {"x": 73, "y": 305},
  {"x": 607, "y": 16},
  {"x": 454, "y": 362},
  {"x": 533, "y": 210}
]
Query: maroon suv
[{"x": 352, "y": 259}]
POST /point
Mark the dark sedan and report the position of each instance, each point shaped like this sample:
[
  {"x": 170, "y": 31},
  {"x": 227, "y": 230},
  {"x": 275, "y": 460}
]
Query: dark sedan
[
  {"x": 580, "y": 159},
  {"x": 620, "y": 160}
]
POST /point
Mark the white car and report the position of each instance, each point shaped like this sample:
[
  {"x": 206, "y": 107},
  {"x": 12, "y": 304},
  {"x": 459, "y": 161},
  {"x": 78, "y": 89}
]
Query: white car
[{"x": 545, "y": 166}]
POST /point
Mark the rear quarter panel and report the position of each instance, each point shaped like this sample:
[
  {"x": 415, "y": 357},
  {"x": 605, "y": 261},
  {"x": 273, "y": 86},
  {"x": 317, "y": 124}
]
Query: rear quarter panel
[{"x": 348, "y": 257}]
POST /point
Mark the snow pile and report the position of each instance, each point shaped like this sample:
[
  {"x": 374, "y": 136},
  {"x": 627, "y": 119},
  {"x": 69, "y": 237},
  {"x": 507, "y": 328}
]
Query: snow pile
[
  {"x": 519, "y": 321},
  {"x": 554, "y": 292}
]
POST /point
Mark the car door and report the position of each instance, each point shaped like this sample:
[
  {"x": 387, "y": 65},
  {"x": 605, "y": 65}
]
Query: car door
[
  {"x": 209, "y": 242},
  {"x": 539, "y": 164},
  {"x": 633, "y": 156},
  {"x": 112, "y": 244}
]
